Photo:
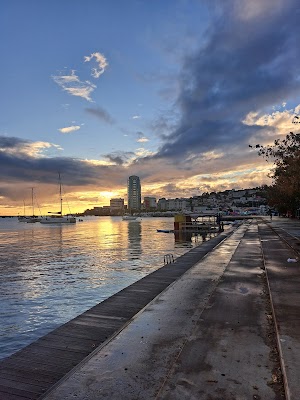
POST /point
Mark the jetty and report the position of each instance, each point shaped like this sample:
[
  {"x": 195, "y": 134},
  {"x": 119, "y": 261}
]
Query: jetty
[{"x": 220, "y": 322}]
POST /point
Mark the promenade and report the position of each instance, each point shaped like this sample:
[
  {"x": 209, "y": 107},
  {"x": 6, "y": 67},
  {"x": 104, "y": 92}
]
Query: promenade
[
  {"x": 214, "y": 333},
  {"x": 221, "y": 323}
]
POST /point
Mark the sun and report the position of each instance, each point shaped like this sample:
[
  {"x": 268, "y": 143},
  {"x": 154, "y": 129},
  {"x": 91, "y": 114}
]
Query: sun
[{"x": 109, "y": 194}]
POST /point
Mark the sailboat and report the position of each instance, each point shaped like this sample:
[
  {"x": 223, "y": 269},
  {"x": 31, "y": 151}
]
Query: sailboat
[
  {"x": 58, "y": 218},
  {"x": 128, "y": 217},
  {"x": 30, "y": 219},
  {"x": 22, "y": 218}
]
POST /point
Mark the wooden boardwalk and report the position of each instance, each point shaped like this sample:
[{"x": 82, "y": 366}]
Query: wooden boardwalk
[
  {"x": 227, "y": 329},
  {"x": 30, "y": 372}
]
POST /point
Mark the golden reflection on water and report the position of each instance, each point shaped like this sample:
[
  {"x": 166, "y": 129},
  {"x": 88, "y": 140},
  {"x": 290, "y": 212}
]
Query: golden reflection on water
[
  {"x": 50, "y": 274},
  {"x": 110, "y": 233}
]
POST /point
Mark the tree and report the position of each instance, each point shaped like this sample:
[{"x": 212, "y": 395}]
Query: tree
[{"x": 284, "y": 194}]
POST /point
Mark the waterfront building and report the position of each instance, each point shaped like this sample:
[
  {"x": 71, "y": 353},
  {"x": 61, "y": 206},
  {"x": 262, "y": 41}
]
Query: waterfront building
[
  {"x": 177, "y": 204},
  {"x": 116, "y": 206},
  {"x": 162, "y": 204},
  {"x": 134, "y": 193},
  {"x": 149, "y": 203},
  {"x": 228, "y": 199}
]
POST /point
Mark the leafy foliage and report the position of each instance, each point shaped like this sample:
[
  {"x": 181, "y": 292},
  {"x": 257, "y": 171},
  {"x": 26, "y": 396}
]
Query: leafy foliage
[{"x": 284, "y": 194}]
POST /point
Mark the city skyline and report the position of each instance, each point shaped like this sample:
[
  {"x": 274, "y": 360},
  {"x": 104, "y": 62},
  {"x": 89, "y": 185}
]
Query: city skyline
[
  {"x": 247, "y": 197},
  {"x": 173, "y": 92}
]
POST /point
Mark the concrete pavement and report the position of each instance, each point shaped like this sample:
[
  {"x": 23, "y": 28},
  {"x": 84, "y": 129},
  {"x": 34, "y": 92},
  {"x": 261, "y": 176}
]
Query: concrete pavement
[
  {"x": 284, "y": 285},
  {"x": 228, "y": 328}
]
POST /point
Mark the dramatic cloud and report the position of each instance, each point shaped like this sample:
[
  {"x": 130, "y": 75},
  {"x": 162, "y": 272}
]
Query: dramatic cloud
[
  {"x": 22, "y": 165},
  {"x": 239, "y": 85},
  {"x": 141, "y": 138},
  {"x": 101, "y": 64},
  {"x": 277, "y": 123},
  {"x": 142, "y": 153},
  {"x": 119, "y": 158},
  {"x": 102, "y": 114},
  {"x": 23, "y": 161},
  {"x": 15, "y": 146},
  {"x": 248, "y": 62},
  {"x": 74, "y": 86},
  {"x": 69, "y": 129}
]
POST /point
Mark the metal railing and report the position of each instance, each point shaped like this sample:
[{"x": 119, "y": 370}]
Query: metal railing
[
  {"x": 168, "y": 258},
  {"x": 198, "y": 226}
]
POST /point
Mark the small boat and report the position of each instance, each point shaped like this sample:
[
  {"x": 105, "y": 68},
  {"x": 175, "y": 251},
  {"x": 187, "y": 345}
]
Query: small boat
[
  {"x": 165, "y": 230},
  {"x": 58, "y": 218},
  {"x": 129, "y": 218},
  {"x": 29, "y": 219}
]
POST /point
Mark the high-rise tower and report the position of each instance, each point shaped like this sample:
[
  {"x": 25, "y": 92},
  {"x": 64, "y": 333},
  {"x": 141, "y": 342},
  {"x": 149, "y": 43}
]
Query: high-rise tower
[{"x": 134, "y": 193}]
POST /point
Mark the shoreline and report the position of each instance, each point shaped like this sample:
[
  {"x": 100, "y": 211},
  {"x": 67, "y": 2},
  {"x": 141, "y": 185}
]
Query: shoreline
[
  {"x": 56, "y": 353},
  {"x": 219, "y": 309}
]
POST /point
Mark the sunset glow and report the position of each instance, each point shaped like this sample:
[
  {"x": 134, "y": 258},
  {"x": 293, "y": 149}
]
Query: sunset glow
[{"x": 176, "y": 102}]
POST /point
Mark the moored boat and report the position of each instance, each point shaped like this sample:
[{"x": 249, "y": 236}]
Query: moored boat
[
  {"x": 129, "y": 218},
  {"x": 31, "y": 219},
  {"x": 58, "y": 217}
]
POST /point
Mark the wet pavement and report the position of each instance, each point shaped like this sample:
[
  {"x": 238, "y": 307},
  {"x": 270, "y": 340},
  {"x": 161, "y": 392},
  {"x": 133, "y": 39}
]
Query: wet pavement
[
  {"x": 32, "y": 371},
  {"x": 228, "y": 328},
  {"x": 282, "y": 261}
]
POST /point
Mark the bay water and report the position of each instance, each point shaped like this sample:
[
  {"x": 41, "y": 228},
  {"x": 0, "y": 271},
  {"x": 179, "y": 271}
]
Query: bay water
[{"x": 49, "y": 274}]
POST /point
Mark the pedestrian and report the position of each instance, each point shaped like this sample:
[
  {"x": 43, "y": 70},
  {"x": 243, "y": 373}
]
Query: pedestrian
[{"x": 270, "y": 213}]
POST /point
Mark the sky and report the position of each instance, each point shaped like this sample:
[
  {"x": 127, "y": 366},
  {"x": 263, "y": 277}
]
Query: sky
[{"x": 173, "y": 91}]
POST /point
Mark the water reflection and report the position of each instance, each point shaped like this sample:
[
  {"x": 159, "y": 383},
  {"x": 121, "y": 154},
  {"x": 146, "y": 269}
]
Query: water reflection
[
  {"x": 50, "y": 274},
  {"x": 183, "y": 239},
  {"x": 188, "y": 239},
  {"x": 134, "y": 240}
]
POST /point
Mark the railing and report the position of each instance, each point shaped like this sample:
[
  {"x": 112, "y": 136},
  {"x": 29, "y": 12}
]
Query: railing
[
  {"x": 198, "y": 226},
  {"x": 168, "y": 258}
]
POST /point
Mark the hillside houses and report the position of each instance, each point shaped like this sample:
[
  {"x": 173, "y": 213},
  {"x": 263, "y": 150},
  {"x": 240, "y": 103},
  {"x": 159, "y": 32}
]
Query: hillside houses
[
  {"x": 227, "y": 201},
  {"x": 252, "y": 201}
]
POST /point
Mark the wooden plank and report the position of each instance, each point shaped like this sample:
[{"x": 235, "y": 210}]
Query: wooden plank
[
  {"x": 28, "y": 387},
  {"x": 18, "y": 393},
  {"x": 56, "y": 341},
  {"x": 29, "y": 364},
  {"x": 11, "y": 396},
  {"x": 81, "y": 348},
  {"x": 47, "y": 355},
  {"x": 49, "y": 358},
  {"x": 27, "y": 376},
  {"x": 78, "y": 331},
  {"x": 93, "y": 322},
  {"x": 101, "y": 316}
]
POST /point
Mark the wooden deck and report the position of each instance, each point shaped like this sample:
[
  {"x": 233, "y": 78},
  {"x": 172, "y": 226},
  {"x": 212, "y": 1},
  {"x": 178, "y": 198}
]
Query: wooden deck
[{"x": 30, "y": 372}]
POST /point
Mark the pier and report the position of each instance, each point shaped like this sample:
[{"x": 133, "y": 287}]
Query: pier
[
  {"x": 221, "y": 322},
  {"x": 196, "y": 223}
]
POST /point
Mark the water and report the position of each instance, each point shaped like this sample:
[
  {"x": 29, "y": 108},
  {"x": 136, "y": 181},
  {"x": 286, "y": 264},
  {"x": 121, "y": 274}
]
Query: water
[{"x": 50, "y": 274}]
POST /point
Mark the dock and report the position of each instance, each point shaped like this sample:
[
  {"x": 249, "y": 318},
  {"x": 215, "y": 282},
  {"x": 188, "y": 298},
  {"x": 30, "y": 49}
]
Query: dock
[
  {"x": 30, "y": 372},
  {"x": 221, "y": 322}
]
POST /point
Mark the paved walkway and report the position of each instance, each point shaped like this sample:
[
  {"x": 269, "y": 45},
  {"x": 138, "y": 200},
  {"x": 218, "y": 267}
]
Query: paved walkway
[
  {"x": 30, "y": 372},
  {"x": 284, "y": 284},
  {"x": 216, "y": 333}
]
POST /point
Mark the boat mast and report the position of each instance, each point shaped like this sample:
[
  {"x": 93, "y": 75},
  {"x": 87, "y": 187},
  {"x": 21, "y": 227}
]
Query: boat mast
[
  {"x": 60, "y": 195},
  {"x": 32, "y": 202}
]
